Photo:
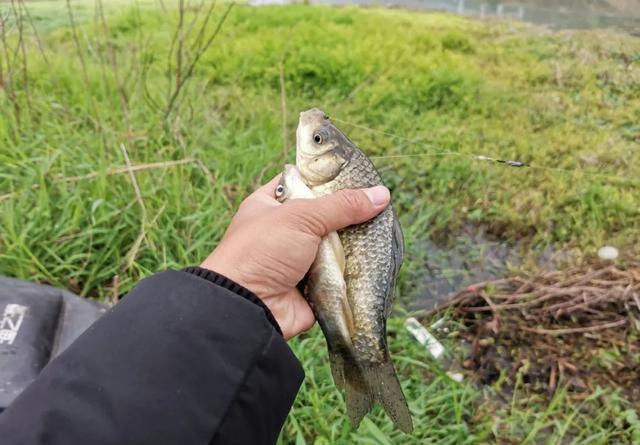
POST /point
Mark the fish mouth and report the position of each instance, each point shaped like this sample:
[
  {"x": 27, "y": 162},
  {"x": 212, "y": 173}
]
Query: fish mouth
[{"x": 312, "y": 116}]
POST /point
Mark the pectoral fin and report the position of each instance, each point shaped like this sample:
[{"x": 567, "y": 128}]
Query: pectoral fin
[
  {"x": 336, "y": 246},
  {"x": 338, "y": 251}
]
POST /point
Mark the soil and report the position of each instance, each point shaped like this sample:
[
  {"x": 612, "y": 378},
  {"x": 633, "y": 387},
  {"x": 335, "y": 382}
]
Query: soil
[{"x": 578, "y": 328}]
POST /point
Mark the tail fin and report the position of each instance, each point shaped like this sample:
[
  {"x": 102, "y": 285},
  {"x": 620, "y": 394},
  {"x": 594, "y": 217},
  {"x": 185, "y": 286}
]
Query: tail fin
[
  {"x": 349, "y": 378},
  {"x": 376, "y": 382},
  {"x": 336, "y": 360},
  {"x": 359, "y": 396}
]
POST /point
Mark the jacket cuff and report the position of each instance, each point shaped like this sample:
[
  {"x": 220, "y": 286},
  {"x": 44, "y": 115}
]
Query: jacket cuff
[{"x": 234, "y": 287}]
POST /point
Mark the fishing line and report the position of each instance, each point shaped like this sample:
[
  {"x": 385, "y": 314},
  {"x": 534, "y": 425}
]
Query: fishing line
[
  {"x": 478, "y": 157},
  {"x": 372, "y": 129},
  {"x": 419, "y": 155}
]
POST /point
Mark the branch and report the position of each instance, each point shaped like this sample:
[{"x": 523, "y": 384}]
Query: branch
[
  {"x": 195, "y": 61},
  {"x": 35, "y": 31},
  {"x": 283, "y": 107},
  {"x": 111, "y": 172},
  {"x": 133, "y": 252},
  {"x": 599, "y": 327}
]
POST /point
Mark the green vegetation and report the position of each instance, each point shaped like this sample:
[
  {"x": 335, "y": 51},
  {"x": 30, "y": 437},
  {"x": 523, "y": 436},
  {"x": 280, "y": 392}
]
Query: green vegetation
[{"x": 77, "y": 101}]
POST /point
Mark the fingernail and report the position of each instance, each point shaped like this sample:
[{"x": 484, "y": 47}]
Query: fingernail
[{"x": 378, "y": 195}]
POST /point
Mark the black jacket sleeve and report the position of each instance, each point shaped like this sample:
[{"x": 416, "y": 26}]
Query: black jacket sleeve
[{"x": 186, "y": 358}]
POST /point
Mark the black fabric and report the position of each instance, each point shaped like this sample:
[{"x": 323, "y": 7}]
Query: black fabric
[
  {"x": 28, "y": 323},
  {"x": 37, "y": 322},
  {"x": 180, "y": 360},
  {"x": 234, "y": 287}
]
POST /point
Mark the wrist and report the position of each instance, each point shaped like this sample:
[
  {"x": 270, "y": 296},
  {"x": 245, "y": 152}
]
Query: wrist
[
  {"x": 228, "y": 283},
  {"x": 224, "y": 265}
]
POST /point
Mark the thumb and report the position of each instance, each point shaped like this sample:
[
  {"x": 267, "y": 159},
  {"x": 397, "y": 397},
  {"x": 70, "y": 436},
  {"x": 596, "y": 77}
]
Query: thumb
[{"x": 343, "y": 208}]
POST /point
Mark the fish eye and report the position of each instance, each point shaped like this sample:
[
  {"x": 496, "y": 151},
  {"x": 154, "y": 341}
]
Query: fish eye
[
  {"x": 317, "y": 138},
  {"x": 279, "y": 190}
]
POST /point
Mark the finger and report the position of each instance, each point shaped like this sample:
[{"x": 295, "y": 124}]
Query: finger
[
  {"x": 342, "y": 208},
  {"x": 292, "y": 312},
  {"x": 303, "y": 315}
]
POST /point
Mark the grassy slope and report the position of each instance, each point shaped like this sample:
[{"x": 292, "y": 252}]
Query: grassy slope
[{"x": 449, "y": 85}]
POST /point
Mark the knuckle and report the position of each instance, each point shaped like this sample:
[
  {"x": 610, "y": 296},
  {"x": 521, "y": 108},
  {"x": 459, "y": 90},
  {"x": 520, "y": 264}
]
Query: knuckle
[
  {"x": 317, "y": 226},
  {"x": 352, "y": 200},
  {"x": 299, "y": 216},
  {"x": 310, "y": 224}
]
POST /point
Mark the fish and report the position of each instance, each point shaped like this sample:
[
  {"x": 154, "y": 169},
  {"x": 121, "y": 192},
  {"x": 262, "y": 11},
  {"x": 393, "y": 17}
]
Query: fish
[
  {"x": 324, "y": 288},
  {"x": 373, "y": 251}
]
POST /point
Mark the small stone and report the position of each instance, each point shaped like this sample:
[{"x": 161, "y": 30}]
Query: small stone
[
  {"x": 577, "y": 384},
  {"x": 484, "y": 342},
  {"x": 608, "y": 253}
]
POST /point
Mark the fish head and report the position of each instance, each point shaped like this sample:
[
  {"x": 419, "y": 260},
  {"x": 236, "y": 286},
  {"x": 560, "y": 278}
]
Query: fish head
[
  {"x": 290, "y": 182},
  {"x": 322, "y": 150},
  {"x": 281, "y": 190}
]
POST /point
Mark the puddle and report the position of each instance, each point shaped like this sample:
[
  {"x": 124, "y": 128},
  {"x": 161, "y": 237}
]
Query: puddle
[{"x": 471, "y": 257}]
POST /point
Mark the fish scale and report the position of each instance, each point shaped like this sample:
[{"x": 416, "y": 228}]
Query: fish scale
[
  {"x": 328, "y": 161},
  {"x": 367, "y": 249}
]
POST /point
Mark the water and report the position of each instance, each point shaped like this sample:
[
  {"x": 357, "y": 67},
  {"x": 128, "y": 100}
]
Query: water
[
  {"x": 473, "y": 256},
  {"x": 553, "y": 17}
]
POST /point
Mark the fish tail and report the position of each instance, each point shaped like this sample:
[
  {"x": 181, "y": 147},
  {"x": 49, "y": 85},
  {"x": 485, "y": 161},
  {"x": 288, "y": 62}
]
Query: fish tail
[
  {"x": 336, "y": 360},
  {"x": 359, "y": 396},
  {"x": 381, "y": 385}
]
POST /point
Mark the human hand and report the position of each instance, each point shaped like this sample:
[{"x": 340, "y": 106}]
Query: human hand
[{"x": 269, "y": 246}]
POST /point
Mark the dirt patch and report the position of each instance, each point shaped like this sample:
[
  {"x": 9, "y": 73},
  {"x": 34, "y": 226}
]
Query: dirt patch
[{"x": 579, "y": 327}]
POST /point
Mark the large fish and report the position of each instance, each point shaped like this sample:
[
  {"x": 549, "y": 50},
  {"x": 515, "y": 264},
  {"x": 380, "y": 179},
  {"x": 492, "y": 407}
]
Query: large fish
[{"x": 328, "y": 161}]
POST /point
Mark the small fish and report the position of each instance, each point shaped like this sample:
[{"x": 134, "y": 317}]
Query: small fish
[
  {"x": 328, "y": 161},
  {"x": 325, "y": 288}
]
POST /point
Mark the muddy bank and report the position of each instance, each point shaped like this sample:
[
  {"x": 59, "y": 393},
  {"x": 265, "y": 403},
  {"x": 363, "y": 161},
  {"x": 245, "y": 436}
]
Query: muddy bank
[{"x": 577, "y": 328}]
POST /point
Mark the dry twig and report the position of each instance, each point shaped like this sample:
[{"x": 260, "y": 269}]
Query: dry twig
[
  {"x": 553, "y": 320},
  {"x": 116, "y": 171},
  {"x": 283, "y": 106},
  {"x": 133, "y": 252}
]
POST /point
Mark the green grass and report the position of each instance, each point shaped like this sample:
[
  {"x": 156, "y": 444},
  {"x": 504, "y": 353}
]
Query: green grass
[{"x": 452, "y": 88}]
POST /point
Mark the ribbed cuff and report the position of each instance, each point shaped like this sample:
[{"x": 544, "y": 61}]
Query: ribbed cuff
[{"x": 234, "y": 287}]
